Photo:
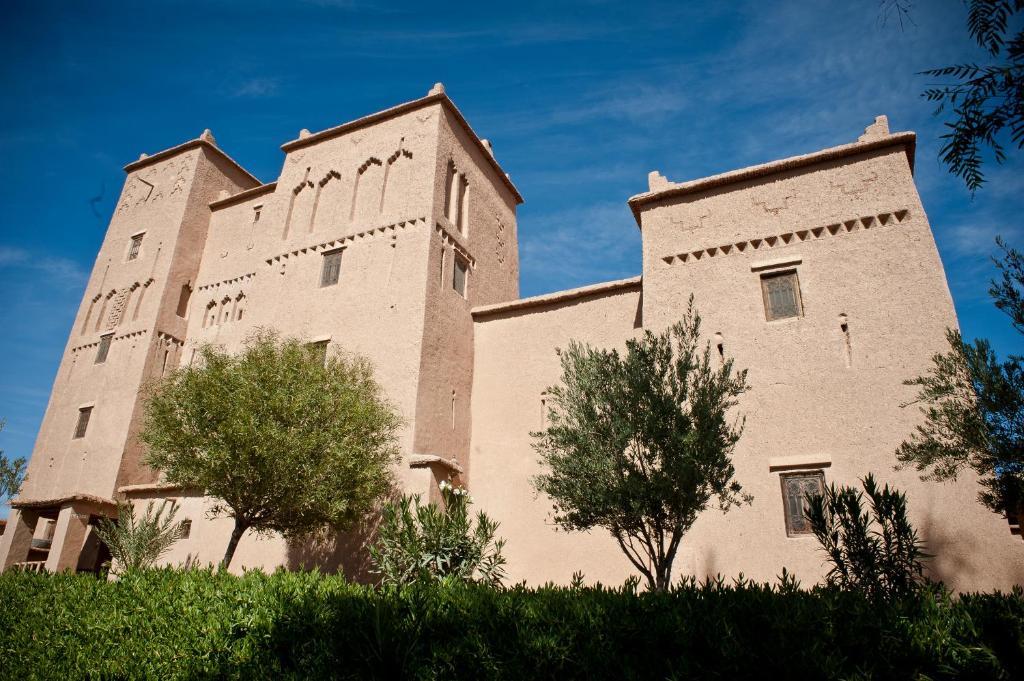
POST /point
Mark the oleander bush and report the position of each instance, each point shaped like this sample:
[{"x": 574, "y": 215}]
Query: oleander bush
[{"x": 195, "y": 624}]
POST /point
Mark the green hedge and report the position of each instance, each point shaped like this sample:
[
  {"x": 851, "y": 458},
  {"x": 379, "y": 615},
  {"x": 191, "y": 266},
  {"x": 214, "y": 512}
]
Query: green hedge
[{"x": 196, "y": 624}]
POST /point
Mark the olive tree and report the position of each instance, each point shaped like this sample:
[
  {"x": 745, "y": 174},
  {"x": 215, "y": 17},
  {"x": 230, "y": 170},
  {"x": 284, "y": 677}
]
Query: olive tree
[
  {"x": 12, "y": 474},
  {"x": 640, "y": 443},
  {"x": 284, "y": 438}
]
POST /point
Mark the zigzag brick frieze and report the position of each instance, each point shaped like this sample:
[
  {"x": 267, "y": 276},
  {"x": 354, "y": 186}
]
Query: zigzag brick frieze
[
  {"x": 794, "y": 237},
  {"x": 345, "y": 240}
]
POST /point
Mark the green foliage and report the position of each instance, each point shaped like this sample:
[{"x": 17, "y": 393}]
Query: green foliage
[
  {"x": 430, "y": 542},
  {"x": 875, "y": 552},
  {"x": 640, "y": 443},
  {"x": 284, "y": 440},
  {"x": 12, "y": 474},
  {"x": 974, "y": 407},
  {"x": 987, "y": 100},
  {"x": 137, "y": 543},
  {"x": 166, "y": 624}
]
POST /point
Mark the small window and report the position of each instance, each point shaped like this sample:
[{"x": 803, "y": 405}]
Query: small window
[
  {"x": 101, "y": 353},
  {"x": 331, "y": 270},
  {"x": 460, "y": 272},
  {"x": 796, "y": 487},
  {"x": 256, "y": 214},
  {"x": 781, "y": 293},
  {"x": 83, "y": 422},
  {"x": 133, "y": 250},
  {"x": 319, "y": 350},
  {"x": 184, "y": 529}
]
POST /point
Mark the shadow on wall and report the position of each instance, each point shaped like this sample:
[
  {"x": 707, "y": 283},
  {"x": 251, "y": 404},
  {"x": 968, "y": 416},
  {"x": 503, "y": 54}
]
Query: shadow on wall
[
  {"x": 955, "y": 561},
  {"x": 334, "y": 551}
]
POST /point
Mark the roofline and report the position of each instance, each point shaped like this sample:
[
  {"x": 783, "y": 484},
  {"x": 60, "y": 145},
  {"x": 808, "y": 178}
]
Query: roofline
[
  {"x": 557, "y": 297},
  {"x": 69, "y": 498},
  {"x": 243, "y": 195},
  {"x": 151, "y": 487},
  {"x": 186, "y": 146},
  {"x": 908, "y": 140},
  {"x": 406, "y": 107}
]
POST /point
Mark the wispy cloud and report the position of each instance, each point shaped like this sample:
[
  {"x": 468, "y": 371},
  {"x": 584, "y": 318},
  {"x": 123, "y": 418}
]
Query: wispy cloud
[
  {"x": 574, "y": 247},
  {"x": 256, "y": 88},
  {"x": 63, "y": 272}
]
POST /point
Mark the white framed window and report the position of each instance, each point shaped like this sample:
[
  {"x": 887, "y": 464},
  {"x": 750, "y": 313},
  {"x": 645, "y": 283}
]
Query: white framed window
[{"x": 135, "y": 247}]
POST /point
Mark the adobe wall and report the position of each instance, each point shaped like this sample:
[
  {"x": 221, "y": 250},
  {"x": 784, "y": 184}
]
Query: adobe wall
[
  {"x": 487, "y": 242},
  {"x": 515, "y": 362},
  {"x": 124, "y": 298}
]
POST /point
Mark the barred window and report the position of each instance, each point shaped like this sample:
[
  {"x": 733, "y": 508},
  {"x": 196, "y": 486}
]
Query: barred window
[
  {"x": 133, "y": 250},
  {"x": 331, "y": 270},
  {"x": 796, "y": 487},
  {"x": 781, "y": 294},
  {"x": 83, "y": 422},
  {"x": 184, "y": 529},
  {"x": 460, "y": 272},
  {"x": 104, "y": 349}
]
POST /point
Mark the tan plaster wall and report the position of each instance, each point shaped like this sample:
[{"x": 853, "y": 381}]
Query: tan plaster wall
[{"x": 515, "y": 362}]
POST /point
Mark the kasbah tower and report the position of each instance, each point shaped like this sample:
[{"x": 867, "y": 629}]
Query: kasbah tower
[{"x": 394, "y": 236}]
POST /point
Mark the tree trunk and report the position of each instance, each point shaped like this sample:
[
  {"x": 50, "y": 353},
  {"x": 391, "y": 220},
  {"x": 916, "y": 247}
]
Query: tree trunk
[{"x": 236, "y": 534}]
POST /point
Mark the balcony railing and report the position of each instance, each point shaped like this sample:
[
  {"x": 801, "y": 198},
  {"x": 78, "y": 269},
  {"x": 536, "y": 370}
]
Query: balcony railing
[{"x": 30, "y": 566}]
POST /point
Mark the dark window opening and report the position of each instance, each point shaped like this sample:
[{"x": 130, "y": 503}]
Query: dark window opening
[
  {"x": 104, "y": 349},
  {"x": 331, "y": 271},
  {"x": 133, "y": 250},
  {"x": 83, "y": 422},
  {"x": 796, "y": 487},
  {"x": 781, "y": 294},
  {"x": 460, "y": 274}
]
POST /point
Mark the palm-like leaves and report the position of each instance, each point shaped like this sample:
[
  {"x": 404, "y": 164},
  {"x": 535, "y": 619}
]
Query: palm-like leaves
[{"x": 137, "y": 543}]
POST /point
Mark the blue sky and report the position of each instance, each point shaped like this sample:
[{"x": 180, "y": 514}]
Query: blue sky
[{"x": 580, "y": 99}]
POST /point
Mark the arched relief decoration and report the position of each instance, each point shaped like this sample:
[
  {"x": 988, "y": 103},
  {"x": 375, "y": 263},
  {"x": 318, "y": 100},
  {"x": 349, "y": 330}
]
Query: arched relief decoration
[
  {"x": 300, "y": 205},
  {"x": 398, "y": 178},
  {"x": 142, "y": 296},
  {"x": 225, "y": 310},
  {"x": 239, "y": 307},
  {"x": 88, "y": 315},
  {"x": 325, "y": 202},
  {"x": 103, "y": 309},
  {"x": 366, "y": 191},
  {"x": 210, "y": 314},
  {"x": 127, "y": 302}
]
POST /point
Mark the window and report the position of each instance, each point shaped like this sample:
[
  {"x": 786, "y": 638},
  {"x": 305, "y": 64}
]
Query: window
[
  {"x": 781, "y": 294},
  {"x": 101, "y": 353},
  {"x": 133, "y": 250},
  {"x": 83, "y": 422},
  {"x": 319, "y": 350},
  {"x": 795, "y": 489},
  {"x": 331, "y": 270},
  {"x": 184, "y": 529},
  {"x": 460, "y": 271},
  {"x": 256, "y": 213}
]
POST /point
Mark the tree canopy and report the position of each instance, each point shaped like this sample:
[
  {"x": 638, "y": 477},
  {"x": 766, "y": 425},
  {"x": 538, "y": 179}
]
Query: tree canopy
[
  {"x": 639, "y": 443},
  {"x": 986, "y": 100},
  {"x": 285, "y": 439},
  {"x": 12, "y": 474},
  {"x": 973, "y": 404}
]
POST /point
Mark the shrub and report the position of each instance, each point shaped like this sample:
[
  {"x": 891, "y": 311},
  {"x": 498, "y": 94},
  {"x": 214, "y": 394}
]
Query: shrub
[
  {"x": 198, "y": 624},
  {"x": 431, "y": 542},
  {"x": 875, "y": 552},
  {"x": 138, "y": 543}
]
